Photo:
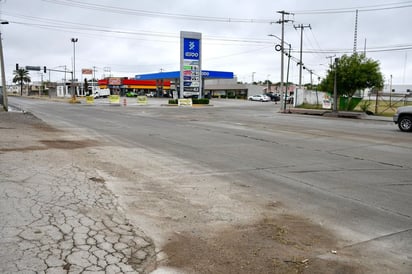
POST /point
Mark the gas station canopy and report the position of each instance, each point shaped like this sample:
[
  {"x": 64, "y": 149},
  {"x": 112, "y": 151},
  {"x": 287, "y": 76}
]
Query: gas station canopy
[{"x": 206, "y": 74}]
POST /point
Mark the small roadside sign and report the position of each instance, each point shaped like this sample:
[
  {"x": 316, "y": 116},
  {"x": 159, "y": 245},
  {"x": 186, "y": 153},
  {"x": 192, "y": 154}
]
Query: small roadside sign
[
  {"x": 185, "y": 102},
  {"x": 90, "y": 100},
  {"x": 114, "y": 99},
  {"x": 142, "y": 100}
]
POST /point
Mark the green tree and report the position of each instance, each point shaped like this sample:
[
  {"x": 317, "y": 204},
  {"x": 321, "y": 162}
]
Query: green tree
[
  {"x": 21, "y": 76},
  {"x": 354, "y": 73}
]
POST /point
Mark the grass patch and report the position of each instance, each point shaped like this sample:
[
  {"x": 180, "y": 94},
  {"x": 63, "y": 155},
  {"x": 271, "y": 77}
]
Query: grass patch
[
  {"x": 384, "y": 108},
  {"x": 310, "y": 106}
]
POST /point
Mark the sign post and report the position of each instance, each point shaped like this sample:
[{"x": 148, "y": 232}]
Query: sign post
[{"x": 190, "y": 64}]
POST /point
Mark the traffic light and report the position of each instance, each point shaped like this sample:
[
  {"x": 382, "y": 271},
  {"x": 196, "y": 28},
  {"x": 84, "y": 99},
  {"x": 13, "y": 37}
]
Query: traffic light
[
  {"x": 17, "y": 66},
  {"x": 44, "y": 69}
]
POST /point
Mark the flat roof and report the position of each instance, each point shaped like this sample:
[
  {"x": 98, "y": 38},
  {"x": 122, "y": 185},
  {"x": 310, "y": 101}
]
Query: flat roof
[{"x": 206, "y": 74}]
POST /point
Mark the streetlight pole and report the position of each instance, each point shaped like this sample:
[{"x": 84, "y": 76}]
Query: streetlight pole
[
  {"x": 280, "y": 48},
  {"x": 3, "y": 73},
  {"x": 74, "y": 40},
  {"x": 287, "y": 81}
]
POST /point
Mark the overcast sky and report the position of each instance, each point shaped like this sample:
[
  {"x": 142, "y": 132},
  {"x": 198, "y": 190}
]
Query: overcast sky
[{"x": 129, "y": 37}]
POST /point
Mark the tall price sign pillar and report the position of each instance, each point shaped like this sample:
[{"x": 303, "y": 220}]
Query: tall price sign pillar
[{"x": 190, "y": 64}]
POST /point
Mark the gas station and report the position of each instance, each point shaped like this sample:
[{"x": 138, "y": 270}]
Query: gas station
[
  {"x": 190, "y": 80},
  {"x": 174, "y": 77}
]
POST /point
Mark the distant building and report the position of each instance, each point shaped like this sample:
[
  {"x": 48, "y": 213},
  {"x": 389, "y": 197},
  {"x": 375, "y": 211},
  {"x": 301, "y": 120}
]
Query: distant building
[{"x": 399, "y": 89}]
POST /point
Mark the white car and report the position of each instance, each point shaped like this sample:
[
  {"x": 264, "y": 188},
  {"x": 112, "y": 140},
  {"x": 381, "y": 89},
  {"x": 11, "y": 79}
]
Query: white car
[{"x": 259, "y": 97}]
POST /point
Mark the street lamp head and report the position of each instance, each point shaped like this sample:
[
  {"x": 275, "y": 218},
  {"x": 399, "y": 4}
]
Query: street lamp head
[
  {"x": 74, "y": 40},
  {"x": 272, "y": 35}
]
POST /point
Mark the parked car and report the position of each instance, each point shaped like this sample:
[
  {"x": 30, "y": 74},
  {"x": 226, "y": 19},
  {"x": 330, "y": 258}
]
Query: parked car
[
  {"x": 273, "y": 97},
  {"x": 403, "y": 118},
  {"x": 131, "y": 94},
  {"x": 259, "y": 97}
]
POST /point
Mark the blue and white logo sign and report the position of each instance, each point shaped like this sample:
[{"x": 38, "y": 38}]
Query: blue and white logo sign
[{"x": 191, "y": 49}]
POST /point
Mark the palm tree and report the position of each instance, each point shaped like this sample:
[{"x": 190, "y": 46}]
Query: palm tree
[{"x": 21, "y": 76}]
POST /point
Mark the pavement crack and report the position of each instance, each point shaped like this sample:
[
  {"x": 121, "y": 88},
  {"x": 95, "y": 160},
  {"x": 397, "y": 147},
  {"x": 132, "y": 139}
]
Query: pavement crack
[
  {"x": 383, "y": 237},
  {"x": 369, "y": 160},
  {"x": 69, "y": 223}
]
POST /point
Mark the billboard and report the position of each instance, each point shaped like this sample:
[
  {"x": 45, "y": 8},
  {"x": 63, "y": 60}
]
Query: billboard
[
  {"x": 115, "y": 81},
  {"x": 190, "y": 64},
  {"x": 87, "y": 71}
]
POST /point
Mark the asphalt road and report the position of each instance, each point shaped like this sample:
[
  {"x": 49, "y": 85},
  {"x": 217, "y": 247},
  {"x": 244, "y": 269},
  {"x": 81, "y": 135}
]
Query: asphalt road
[{"x": 352, "y": 175}]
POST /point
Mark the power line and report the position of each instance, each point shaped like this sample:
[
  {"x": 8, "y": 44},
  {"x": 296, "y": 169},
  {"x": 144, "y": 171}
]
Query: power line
[
  {"x": 59, "y": 25},
  {"x": 380, "y": 7},
  {"x": 349, "y": 51},
  {"x": 135, "y": 12},
  {"x": 76, "y": 27}
]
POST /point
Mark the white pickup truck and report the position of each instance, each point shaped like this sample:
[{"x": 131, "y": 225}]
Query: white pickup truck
[
  {"x": 103, "y": 92},
  {"x": 403, "y": 118}
]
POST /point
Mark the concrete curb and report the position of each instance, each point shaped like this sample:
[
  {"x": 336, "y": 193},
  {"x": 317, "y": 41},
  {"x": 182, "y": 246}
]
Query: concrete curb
[{"x": 339, "y": 114}]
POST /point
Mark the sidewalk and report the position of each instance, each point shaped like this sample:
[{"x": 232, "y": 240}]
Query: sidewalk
[{"x": 56, "y": 216}]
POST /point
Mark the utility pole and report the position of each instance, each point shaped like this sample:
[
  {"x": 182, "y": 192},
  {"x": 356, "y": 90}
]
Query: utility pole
[
  {"x": 335, "y": 88},
  {"x": 282, "y": 22},
  {"x": 41, "y": 85},
  {"x": 301, "y": 27},
  {"x": 331, "y": 58},
  {"x": 390, "y": 93},
  {"x": 311, "y": 80},
  {"x": 355, "y": 36},
  {"x": 3, "y": 75},
  {"x": 74, "y": 41},
  {"x": 94, "y": 80}
]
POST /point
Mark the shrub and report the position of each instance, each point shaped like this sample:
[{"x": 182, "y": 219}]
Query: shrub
[{"x": 200, "y": 101}]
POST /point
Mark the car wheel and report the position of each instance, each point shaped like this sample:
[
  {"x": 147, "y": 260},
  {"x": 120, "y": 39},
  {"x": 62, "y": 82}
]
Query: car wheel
[{"x": 405, "y": 123}]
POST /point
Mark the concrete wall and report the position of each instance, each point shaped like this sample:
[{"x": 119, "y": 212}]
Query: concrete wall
[{"x": 309, "y": 96}]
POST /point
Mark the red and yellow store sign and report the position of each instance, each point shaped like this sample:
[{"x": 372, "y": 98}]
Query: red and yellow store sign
[{"x": 133, "y": 84}]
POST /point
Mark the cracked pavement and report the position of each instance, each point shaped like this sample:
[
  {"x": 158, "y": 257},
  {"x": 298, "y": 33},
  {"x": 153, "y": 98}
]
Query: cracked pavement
[{"x": 57, "y": 216}]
